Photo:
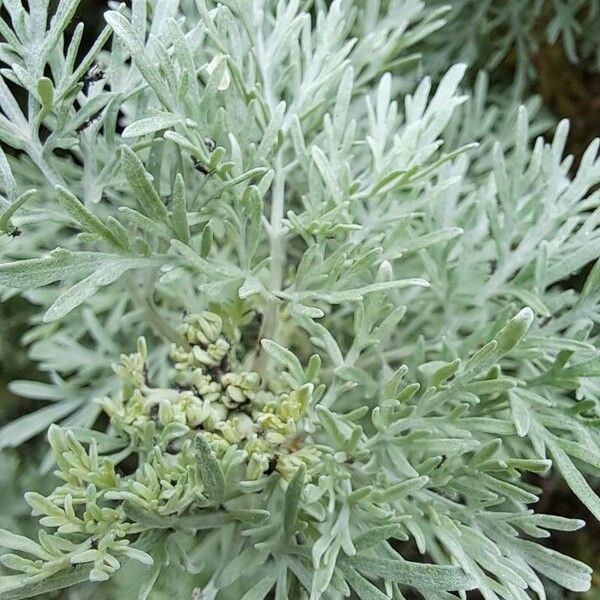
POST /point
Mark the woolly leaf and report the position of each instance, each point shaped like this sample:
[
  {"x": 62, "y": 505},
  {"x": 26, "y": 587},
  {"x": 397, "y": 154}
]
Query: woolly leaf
[
  {"x": 438, "y": 577},
  {"x": 104, "y": 275},
  {"x": 292, "y": 502},
  {"x": 21, "y": 587},
  {"x": 285, "y": 358},
  {"x": 82, "y": 215},
  {"x": 144, "y": 193},
  {"x": 180, "y": 221},
  {"x": 574, "y": 478},
  {"x": 6, "y": 215},
  {"x": 152, "y": 124},
  {"x": 210, "y": 471}
]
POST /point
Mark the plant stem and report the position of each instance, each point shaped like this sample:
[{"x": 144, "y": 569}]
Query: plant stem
[{"x": 278, "y": 252}]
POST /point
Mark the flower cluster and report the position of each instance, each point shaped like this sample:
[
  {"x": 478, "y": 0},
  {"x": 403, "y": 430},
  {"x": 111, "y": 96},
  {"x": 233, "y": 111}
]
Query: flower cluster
[
  {"x": 213, "y": 398},
  {"x": 212, "y": 394}
]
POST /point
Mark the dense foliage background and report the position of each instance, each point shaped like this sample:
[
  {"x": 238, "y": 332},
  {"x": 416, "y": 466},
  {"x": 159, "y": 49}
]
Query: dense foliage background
[{"x": 567, "y": 88}]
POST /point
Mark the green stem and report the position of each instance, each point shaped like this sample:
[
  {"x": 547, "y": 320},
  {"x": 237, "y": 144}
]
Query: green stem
[{"x": 278, "y": 251}]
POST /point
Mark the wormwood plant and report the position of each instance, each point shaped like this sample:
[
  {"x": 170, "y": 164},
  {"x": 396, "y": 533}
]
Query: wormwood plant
[
  {"x": 338, "y": 295},
  {"x": 486, "y": 34}
]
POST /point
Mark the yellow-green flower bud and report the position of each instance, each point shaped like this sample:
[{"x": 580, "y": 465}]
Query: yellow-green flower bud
[
  {"x": 218, "y": 350},
  {"x": 233, "y": 397},
  {"x": 258, "y": 463},
  {"x": 207, "y": 388},
  {"x": 240, "y": 387},
  {"x": 165, "y": 412},
  {"x": 202, "y": 329},
  {"x": 133, "y": 368},
  {"x": 216, "y": 414}
]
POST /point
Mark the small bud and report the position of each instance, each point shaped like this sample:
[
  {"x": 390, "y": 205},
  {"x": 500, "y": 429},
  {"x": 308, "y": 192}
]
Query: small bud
[
  {"x": 385, "y": 272},
  {"x": 165, "y": 412}
]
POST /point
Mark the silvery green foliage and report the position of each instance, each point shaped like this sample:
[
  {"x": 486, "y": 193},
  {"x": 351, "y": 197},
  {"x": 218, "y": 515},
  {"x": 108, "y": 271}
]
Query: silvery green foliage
[
  {"x": 281, "y": 169},
  {"x": 485, "y": 34}
]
